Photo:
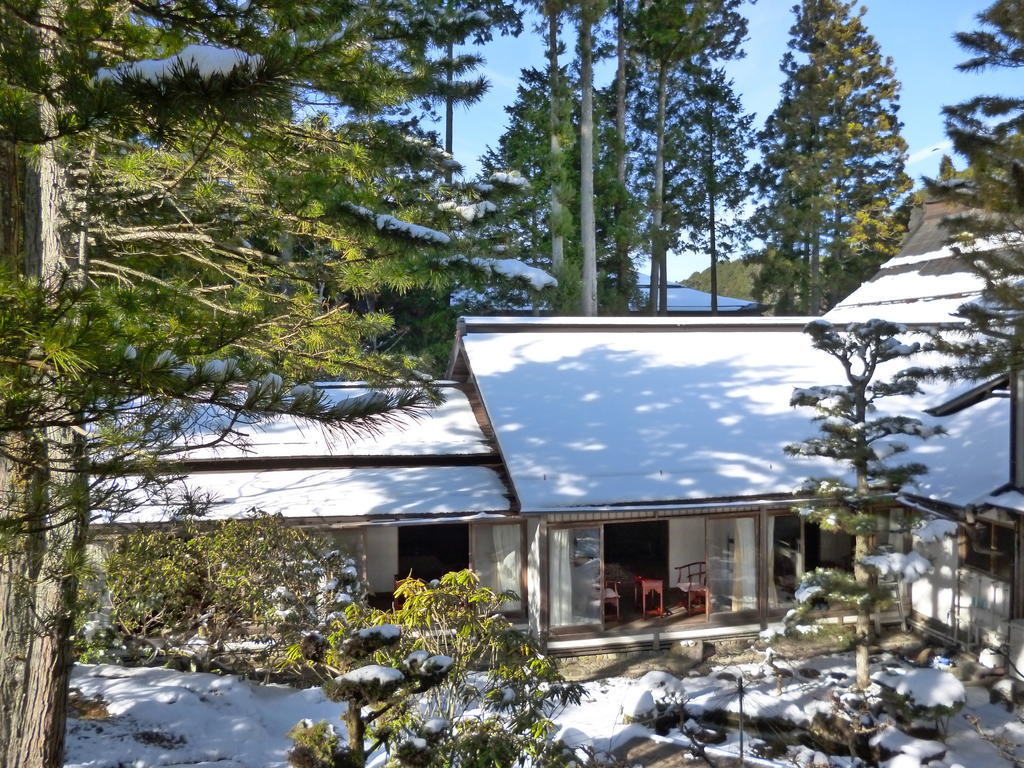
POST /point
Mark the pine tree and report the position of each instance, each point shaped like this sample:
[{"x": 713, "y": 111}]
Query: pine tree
[
  {"x": 676, "y": 39},
  {"x": 623, "y": 213},
  {"x": 179, "y": 230},
  {"x": 456, "y": 23},
  {"x": 832, "y": 167},
  {"x": 861, "y": 442},
  {"x": 525, "y": 147},
  {"x": 989, "y": 131},
  {"x": 708, "y": 178}
]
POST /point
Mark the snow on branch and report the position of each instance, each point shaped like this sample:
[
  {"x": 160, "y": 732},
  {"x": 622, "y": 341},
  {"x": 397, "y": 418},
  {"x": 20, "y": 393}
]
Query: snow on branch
[
  {"x": 511, "y": 179},
  {"x": 205, "y": 60},
  {"x": 385, "y": 222},
  {"x": 469, "y": 211},
  {"x": 512, "y": 269}
]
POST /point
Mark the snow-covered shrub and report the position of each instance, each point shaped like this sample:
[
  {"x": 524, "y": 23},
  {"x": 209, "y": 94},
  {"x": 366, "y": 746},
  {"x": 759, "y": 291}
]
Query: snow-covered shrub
[
  {"x": 316, "y": 745},
  {"x": 463, "y": 664},
  {"x": 370, "y": 690},
  {"x": 923, "y": 694},
  {"x": 232, "y": 593}
]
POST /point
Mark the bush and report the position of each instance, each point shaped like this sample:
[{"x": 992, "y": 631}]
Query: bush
[
  {"x": 496, "y": 696},
  {"x": 230, "y": 594}
]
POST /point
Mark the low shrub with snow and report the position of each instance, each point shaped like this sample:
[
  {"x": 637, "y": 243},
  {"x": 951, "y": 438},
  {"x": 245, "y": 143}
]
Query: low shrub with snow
[
  {"x": 923, "y": 694},
  {"x": 231, "y": 594}
]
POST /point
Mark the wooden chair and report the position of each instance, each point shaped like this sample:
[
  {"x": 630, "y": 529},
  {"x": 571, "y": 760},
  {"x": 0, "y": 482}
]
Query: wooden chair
[
  {"x": 611, "y": 597},
  {"x": 692, "y": 580}
]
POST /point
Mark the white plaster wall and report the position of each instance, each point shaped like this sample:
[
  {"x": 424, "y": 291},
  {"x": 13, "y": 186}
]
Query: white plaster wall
[
  {"x": 932, "y": 596},
  {"x": 984, "y": 609},
  {"x": 685, "y": 543},
  {"x": 381, "y": 557}
]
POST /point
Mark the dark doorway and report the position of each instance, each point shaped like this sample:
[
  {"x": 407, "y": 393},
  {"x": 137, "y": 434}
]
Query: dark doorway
[
  {"x": 430, "y": 551},
  {"x": 827, "y": 549},
  {"x": 634, "y": 552}
]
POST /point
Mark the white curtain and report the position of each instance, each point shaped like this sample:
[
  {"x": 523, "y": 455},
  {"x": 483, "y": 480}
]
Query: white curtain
[
  {"x": 560, "y": 576},
  {"x": 744, "y": 590},
  {"x": 506, "y": 542},
  {"x": 497, "y": 559}
]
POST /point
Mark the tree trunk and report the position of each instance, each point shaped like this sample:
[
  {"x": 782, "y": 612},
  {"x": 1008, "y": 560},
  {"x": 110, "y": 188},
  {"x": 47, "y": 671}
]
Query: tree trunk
[
  {"x": 862, "y": 545},
  {"x": 43, "y": 501},
  {"x": 711, "y": 187},
  {"x": 11, "y": 213},
  {"x": 815, "y": 280},
  {"x": 622, "y": 263},
  {"x": 588, "y": 228},
  {"x": 45, "y": 513},
  {"x": 555, "y": 123},
  {"x": 713, "y": 247},
  {"x": 658, "y": 246},
  {"x": 449, "y": 111},
  {"x": 356, "y": 733}
]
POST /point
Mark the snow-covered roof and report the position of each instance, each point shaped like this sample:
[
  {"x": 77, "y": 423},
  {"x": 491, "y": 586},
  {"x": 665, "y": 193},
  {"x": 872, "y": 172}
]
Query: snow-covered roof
[
  {"x": 449, "y": 429},
  {"x": 684, "y": 299},
  {"x": 336, "y": 494},
  {"x": 684, "y": 412},
  {"x": 972, "y": 460},
  {"x": 925, "y": 283}
]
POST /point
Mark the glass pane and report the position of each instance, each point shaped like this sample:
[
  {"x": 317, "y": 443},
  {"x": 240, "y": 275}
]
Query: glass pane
[
  {"x": 349, "y": 541},
  {"x": 784, "y": 562},
  {"x": 575, "y": 578},
  {"x": 497, "y": 559},
  {"x": 1002, "y": 552},
  {"x": 732, "y": 564}
]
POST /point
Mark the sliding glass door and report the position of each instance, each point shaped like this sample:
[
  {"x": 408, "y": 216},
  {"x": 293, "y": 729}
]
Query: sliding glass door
[
  {"x": 574, "y": 584},
  {"x": 497, "y": 558},
  {"x": 732, "y": 564}
]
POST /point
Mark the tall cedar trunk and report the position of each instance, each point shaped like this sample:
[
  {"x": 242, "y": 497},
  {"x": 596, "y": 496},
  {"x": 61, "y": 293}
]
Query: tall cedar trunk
[
  {"x": 11, "y": 213},
  {"x": 813, "y": 276},
  {"x": 43, "y": 507},
  {"x": 449, "y": 110},
  {"x": 711, "y": 182},
  {"x": 622, "y": 263},
  {"x": 48, "y": 521},
  {"x": 713, "y": 247},
  {"x": 555, "y": 124},
  {"x": 659, "y": 247},
  {"x": 588, "y": 229}
]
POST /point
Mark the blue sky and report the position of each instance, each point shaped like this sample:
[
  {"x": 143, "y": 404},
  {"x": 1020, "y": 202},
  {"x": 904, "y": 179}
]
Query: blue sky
[{"x": 916, "y": 34}]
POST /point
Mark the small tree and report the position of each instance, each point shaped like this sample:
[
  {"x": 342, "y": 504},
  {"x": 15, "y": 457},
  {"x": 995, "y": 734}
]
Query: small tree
[
  {"x": 491, "y": 707},
  {"x": 362, "y": 684},
  {"x": 861, "y": 442}
]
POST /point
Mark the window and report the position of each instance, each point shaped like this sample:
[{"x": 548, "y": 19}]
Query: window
[
  {"x": 497, "y": 558},
  {"x": 988, "y": 547},
  {"x": 732, "y": 564}
]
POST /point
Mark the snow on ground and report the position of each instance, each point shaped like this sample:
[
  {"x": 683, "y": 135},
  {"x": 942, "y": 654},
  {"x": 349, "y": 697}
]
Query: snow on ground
[{"x": 158, "y": 717}]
